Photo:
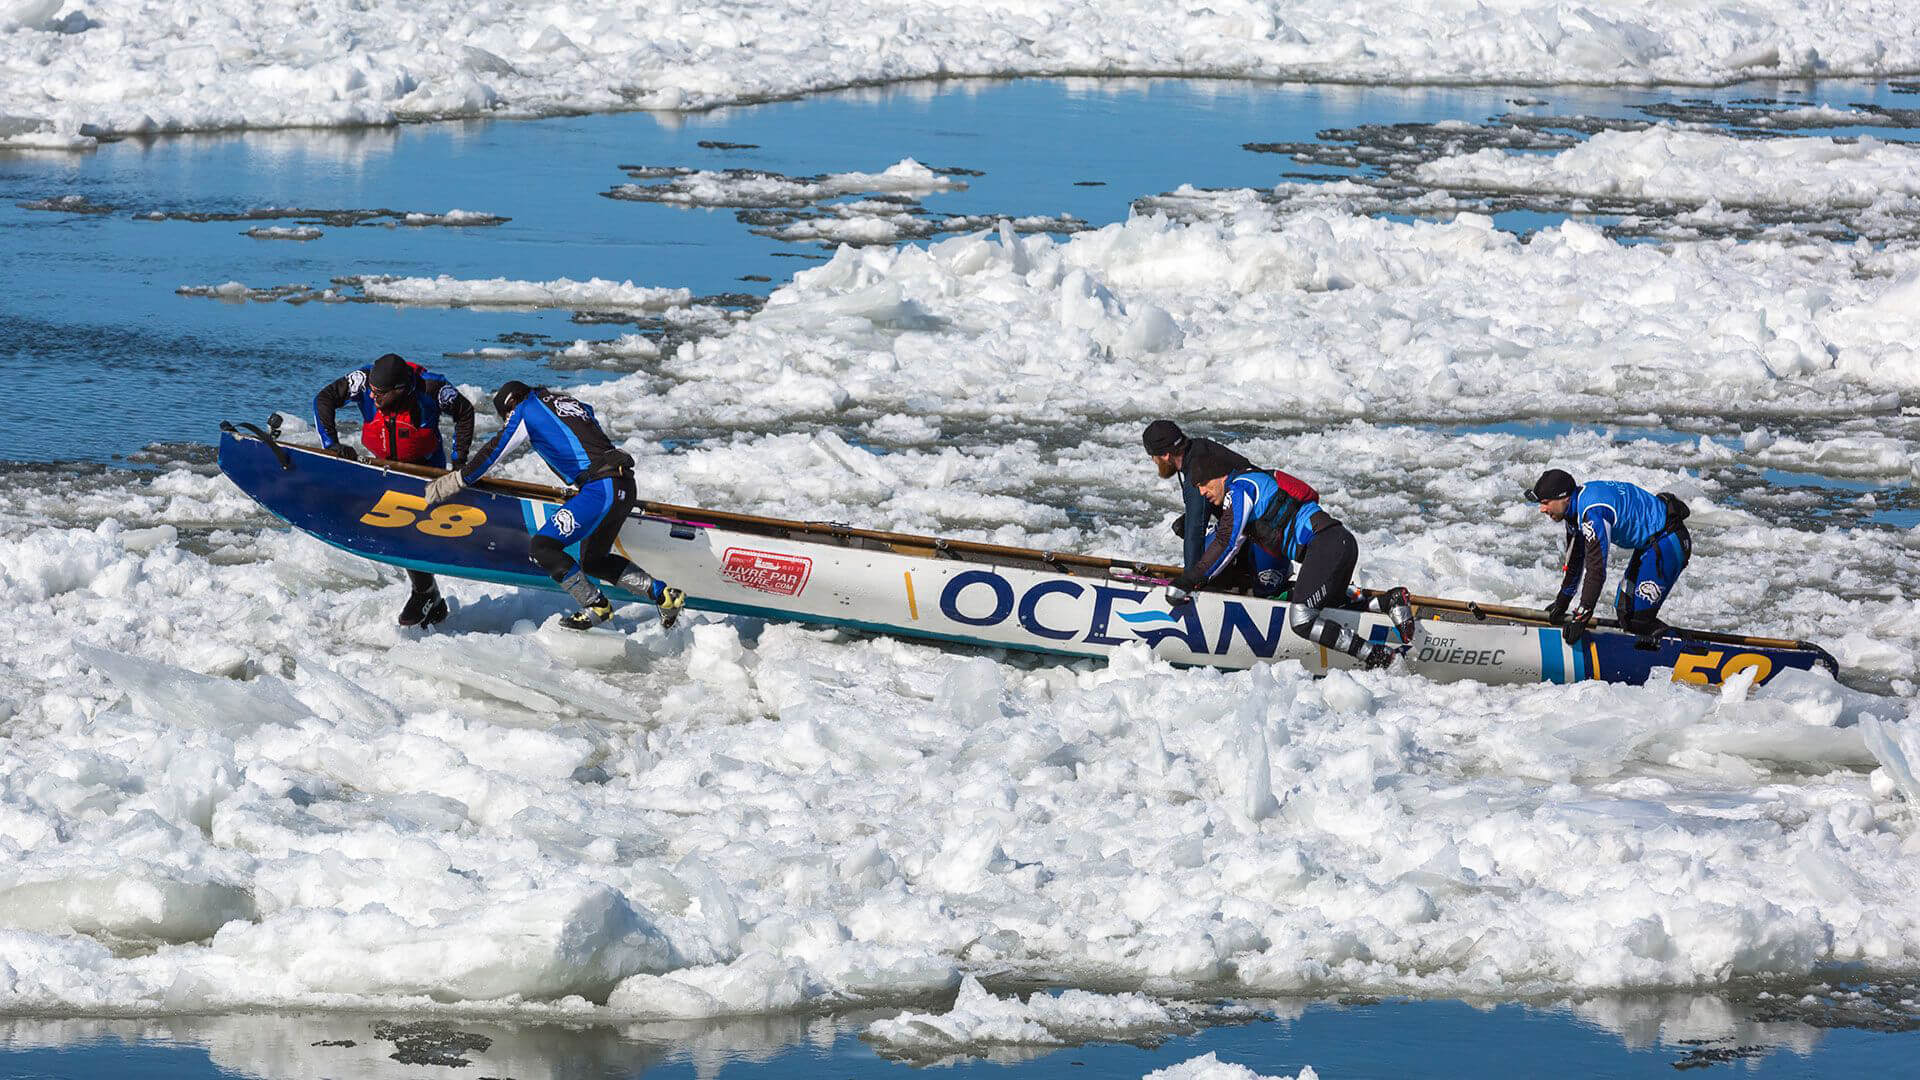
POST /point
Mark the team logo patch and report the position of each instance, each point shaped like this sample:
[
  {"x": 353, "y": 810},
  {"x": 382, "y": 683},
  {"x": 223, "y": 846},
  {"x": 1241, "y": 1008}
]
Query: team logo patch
[
  {"x": 356, "y": 381},
  {"x": 1587, "y": 530},
  {"x": 565, "y": 406},
  {"x": 765, "y": 571},
  {"x": 447, "y": 394},
  {"x": 564, "y": 523},
  {"x": 1649, "y": 591}
]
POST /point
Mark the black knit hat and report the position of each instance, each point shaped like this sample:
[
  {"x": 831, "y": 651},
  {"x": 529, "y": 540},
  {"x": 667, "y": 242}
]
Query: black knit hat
[
  {"x": 391, "y": 372},
  {"x": 1207, "y": 461},
  {"x": 1553, "y": 484},
  {"x": 510, "y": 394},
  {"x": 1163, "y": 437}
]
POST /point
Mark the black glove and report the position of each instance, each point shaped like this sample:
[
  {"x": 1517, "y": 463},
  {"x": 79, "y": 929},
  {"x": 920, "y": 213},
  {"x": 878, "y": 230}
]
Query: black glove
[
  {"x": 1177, "y": 596},
  {"x": 1179, "y": 525},
  {"x": 1575, "y": 628},
  {"x": 343, "y": 451},
  {"x": 1558, "y": 609}
]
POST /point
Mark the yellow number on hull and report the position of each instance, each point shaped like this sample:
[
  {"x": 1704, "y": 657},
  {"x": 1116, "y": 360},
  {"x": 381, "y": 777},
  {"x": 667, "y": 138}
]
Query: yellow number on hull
[
  {"x": 397, "y": 510},
  {"x": 453, "y": 519},
  {"x": 1745, "y": 660},
  {"x": 1706, "y": 668},
  {"x": 394, "y": 510}
]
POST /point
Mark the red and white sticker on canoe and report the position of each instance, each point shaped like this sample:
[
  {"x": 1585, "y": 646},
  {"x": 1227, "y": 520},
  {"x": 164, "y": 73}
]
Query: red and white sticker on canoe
[{"x": 767, "y": 572}]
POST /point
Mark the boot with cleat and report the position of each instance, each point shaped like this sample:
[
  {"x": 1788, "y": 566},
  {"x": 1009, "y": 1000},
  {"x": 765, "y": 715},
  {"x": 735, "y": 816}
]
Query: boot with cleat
[
  {"x": 590, "y": 616},
  {"x": 671, "y": 602},
  {"x": 1400, "y": 610},
  {"x": 1378, "y": 656}
]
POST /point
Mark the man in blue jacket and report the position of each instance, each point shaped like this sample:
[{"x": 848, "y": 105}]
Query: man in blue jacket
[
  {"x": 563, "y": 431},
  {"x": 1284, "y": 526},
  {"x": 1598, "y": 515}
]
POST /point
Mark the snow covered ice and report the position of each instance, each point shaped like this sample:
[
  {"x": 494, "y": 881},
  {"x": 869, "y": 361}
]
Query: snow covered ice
[
  {"x": 1210, "y": 1067},
  {"x": 230, "y": 782},
  {"x": 245, "y": 788},
  {"x": 979, "y": 1018},
  {"x": 227, "y": 781},
  {"x": 1691, "y": 166},
  {"x": 72, "y": 71}
]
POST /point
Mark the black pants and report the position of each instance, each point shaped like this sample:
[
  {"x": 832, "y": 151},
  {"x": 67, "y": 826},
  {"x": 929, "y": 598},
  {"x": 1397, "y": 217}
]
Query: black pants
[
  {"x": 1326, "y": 566},
  {"x": 1326, "y": 574},
  {"x": 596, "y": 551}
]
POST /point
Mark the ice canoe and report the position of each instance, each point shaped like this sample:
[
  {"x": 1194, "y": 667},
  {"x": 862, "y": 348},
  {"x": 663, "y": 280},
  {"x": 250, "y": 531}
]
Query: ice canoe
[{"x": 940, "y": 590}]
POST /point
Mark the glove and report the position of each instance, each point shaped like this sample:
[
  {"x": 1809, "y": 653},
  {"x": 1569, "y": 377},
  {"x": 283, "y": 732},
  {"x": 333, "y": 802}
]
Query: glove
[
  {"x": 1576, "y": 626},
  {"x": 445, "y": 487},
  {"x": 1557, "y": 610},
  {"x": 1177, "y": 596},
  {"x": 1179, "y": 525},
  {"x": 344, "y": 452}
]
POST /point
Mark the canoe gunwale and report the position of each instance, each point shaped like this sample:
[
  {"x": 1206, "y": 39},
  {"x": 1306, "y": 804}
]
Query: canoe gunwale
[{"x": 1144, "y": 573}]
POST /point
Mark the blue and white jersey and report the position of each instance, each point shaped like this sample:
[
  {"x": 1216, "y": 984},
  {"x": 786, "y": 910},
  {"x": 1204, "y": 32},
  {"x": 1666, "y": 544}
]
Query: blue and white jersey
[
  {"x": 1616, "y": 512},
  {"x": 1251, "y": 498},
  {"x": 562, "y": 431},
  {"x": 1603, "y": 513}
]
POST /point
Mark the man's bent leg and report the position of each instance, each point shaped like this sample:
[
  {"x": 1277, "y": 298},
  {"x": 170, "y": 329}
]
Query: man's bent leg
[
  {"x": 551, "y": 555},
  {"x": 549, "y": 549},
  {"x": 597, "y": 556},
  {"x": 1326, "y": 569},
  {"x": 1648, "y": 582},
  {"x": 596, "y": 553}
]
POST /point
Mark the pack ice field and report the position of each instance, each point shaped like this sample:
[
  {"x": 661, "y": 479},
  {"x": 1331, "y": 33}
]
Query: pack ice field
[{"x": 938, "y": 718}]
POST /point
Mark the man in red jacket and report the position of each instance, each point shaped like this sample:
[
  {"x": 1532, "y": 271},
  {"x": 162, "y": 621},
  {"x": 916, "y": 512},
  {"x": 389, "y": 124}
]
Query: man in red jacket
[{"x": 400, "y": 409}]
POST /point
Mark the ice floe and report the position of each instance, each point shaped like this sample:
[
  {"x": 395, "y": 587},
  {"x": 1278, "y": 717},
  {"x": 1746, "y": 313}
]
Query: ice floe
[
  {"x": 1696, "y": 166},
  {"x": 119, "y": 67}
]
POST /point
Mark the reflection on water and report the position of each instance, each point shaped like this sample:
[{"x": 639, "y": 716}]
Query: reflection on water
[
  {"x": 1603, "y": 1036},
  {"x": 348, "y": 1045},
  {"x": 301, "y": 148},
  {"x": 1683, "y": 1020}
]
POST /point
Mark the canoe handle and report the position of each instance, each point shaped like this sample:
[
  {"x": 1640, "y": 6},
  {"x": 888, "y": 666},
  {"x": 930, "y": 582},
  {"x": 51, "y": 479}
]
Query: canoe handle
[{"x": 280, "y": 454}]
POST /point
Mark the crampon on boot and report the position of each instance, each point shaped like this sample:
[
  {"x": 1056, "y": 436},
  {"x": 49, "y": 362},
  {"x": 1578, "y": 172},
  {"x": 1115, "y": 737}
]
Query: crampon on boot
[
  {"x": 671, "y": 602},
  {"x": 1400, "y": 610},
  {"x": 590, "y": 616},
  {"x": 1378, "y": 656}
]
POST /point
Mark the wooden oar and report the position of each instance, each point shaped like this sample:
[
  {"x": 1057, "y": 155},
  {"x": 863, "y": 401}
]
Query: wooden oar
[
  {"x": 757, "y": 523},
  {"x": 1533, "y": 615}
]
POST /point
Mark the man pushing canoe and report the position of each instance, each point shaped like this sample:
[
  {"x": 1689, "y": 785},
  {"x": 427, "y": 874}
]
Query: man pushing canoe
[
  {"x": 564, "y": 432},
  {"x": 1283, "y": 519}
]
